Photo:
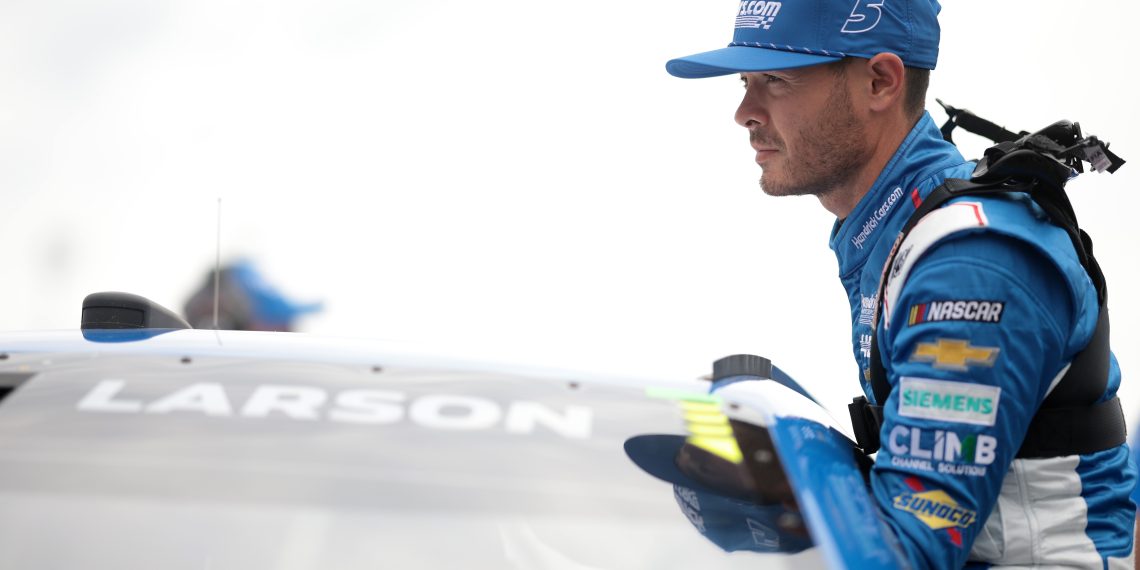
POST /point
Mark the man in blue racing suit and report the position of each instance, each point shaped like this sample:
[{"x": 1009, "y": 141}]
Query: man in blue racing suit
[{"x": 982, "y": 310}]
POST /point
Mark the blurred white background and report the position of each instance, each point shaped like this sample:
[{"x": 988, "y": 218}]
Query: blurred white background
[{"x": 515, "y": 178}]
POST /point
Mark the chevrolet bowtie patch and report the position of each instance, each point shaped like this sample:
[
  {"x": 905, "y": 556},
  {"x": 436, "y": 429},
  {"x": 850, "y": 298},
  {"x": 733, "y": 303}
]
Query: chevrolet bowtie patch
[{"x": 952, "y": 354}]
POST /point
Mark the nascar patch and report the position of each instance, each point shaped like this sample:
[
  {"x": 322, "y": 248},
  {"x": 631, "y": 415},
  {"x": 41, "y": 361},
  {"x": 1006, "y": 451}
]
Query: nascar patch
[
  {"x": 976, "y": 311},
  {"x": 947, "y": 401}
]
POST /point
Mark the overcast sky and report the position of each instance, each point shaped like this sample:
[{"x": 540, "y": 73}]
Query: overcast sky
[{"x": 514, "y": 178}]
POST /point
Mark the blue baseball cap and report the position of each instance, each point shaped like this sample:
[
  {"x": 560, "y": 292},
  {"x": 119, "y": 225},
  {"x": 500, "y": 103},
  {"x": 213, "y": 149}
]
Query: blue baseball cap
[
  {"x": 266, "y": 303},
  {"x": 731, "y": 523},
  {"x": 798, "y": 33}
]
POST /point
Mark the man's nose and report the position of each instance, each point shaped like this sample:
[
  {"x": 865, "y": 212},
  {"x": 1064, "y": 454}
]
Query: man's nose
[{"x": 751, "y": 111}]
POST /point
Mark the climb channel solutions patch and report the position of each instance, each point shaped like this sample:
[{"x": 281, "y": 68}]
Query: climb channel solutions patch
[{"x": 948, "y": 401}]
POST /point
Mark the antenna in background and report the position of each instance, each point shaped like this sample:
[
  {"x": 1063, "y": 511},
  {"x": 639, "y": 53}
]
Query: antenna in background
[{"x": 218, "y": 270}]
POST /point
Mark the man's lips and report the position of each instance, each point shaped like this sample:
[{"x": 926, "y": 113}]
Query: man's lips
[
  {"x": 763, "y": 153},
  {"x": 764, "y": 149}
]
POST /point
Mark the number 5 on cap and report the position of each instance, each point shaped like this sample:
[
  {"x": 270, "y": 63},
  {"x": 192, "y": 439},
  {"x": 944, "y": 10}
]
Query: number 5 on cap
[{"x": 861, "y": 16}]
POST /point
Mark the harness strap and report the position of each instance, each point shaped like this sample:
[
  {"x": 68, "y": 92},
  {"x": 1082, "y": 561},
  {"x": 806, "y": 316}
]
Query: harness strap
[
  {"x": 1076, "y": 430},
  {"x": 974, "y": 124},
  {"x": 1054, "y": 432}
]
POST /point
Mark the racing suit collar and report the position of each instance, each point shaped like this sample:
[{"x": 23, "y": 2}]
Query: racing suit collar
[{"x": 921, "y": 153}]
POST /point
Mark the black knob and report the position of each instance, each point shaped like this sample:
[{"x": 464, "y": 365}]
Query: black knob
[
  {"x": 115, "y": 310},
  {"x": 742, "y": 365}
]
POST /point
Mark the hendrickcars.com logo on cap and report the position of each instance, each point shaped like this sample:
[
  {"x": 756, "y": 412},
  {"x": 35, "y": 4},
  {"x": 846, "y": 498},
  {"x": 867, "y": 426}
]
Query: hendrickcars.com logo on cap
[{"x": 794, "y": 33}]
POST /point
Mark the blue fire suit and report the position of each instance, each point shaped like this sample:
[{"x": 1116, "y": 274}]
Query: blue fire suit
[{"x": 985, "y": 306}]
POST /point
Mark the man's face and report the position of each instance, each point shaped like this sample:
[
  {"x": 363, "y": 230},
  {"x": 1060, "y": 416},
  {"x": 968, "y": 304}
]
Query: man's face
[{"x": 806, "y": 133}]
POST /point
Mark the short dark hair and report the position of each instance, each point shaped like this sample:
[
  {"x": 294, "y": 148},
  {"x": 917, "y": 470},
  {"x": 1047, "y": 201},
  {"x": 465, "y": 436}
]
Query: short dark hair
[{"x": 917, "y": 82}]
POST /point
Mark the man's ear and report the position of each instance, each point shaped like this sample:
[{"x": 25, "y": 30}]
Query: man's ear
[{"x": 885, "y": 86}]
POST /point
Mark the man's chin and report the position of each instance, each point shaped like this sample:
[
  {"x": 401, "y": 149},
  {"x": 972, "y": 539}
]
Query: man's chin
[{"x": 775, "y": 188}]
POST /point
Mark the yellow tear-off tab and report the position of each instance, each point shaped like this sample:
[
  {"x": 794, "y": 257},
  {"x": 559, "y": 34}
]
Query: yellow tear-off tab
[
  {"x": 707, "y": 425},
  {"x": 710, "y": 430},
  {"x": 723, "y": 447}
]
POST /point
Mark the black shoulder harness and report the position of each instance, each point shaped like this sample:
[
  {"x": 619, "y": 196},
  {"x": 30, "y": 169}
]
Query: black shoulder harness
[{"x": 1069, "y": 420}]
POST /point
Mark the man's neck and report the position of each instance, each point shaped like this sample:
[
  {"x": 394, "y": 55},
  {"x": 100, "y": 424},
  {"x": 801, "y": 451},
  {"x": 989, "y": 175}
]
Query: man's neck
[{"x": 842, "y": 200}]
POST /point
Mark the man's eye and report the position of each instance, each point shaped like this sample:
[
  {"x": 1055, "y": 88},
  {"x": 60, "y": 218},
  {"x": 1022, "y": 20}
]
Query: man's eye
[{"x": 767, "y": 79}]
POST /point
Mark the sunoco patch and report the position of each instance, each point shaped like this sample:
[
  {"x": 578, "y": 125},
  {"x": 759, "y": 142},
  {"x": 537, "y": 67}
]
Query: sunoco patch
[{"x": 935, "y": 509}]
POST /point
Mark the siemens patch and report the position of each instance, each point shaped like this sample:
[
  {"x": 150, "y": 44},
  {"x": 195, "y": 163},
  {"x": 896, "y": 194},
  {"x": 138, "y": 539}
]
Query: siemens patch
[
  {"x": 948, "y": 401},
  {"x": 968, "y": 310}
]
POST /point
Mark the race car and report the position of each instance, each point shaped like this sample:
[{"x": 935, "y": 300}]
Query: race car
[{"x": 138, "y": 442}]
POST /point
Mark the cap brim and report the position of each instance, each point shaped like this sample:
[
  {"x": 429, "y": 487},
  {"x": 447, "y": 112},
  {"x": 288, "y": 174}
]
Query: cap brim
[
  {"x": 740, "y": 59},
  {"x": 730, "y": 523},
  {"x": 656, "y": 454}
]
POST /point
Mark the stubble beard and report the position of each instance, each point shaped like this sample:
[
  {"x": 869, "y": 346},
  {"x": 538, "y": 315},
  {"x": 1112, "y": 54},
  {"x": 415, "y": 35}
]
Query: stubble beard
[{"x": 831, "y": 151}]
